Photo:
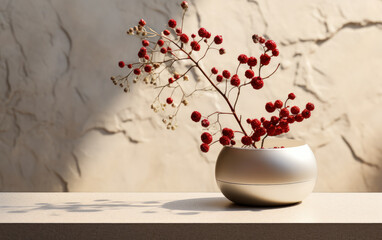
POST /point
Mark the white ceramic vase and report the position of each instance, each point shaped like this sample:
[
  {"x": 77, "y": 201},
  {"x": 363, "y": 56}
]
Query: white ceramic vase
[{"x": 267, "y": 177}]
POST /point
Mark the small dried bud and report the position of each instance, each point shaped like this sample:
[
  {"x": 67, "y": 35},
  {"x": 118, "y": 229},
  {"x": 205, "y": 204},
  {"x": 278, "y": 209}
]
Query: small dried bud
[
  {"x": 131, "y": 31},
  {"x": 135, "y": 81},
  {"x": 184, "y": 5},
  {"x": 112, "y": 78},
  {"x": 185, "y": 102},
  {"x": 185, "y": 78},
  {"x": 156, "y": 65},
  {"x": 135, "y": 28},
  {"x": 144, "y": 33},
  {"x": 125, "y": 90},
  {"x": 221, "y": 51},
  {"x": 114, "y": 82},
  {"x": 121, "y": 85},
  {"x": 140, "y": 27},
  {"x": 164, "y": 120},
  {"x": 255, "y": 38},
  {"x": 173, "y": 105},
  {"x": 172, "y": 127}
]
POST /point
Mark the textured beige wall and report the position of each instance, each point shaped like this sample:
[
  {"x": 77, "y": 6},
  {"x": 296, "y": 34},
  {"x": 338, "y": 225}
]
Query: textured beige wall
[{"x": 65, "y": 127}]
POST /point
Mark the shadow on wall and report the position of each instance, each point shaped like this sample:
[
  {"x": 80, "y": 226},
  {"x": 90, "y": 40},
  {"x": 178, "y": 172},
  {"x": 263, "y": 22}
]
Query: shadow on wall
[{"x": 65, "y": 127}]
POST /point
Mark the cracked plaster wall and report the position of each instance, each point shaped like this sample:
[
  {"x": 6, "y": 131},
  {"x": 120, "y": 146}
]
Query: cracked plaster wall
[{"x": 65, "y": 127}]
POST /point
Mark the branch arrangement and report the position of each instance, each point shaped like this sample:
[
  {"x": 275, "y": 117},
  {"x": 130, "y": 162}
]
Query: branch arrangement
[{"x": 157, "y": 58}]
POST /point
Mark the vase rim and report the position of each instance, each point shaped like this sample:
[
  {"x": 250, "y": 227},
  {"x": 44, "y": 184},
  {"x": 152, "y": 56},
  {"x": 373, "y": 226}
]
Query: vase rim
[{"x": 295, "y": 144}]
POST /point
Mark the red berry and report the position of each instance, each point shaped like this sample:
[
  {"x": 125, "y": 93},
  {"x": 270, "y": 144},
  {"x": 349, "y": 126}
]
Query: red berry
[
  {"x": 262, "y": 119},
  {"x": 255, "y": 138},
  {"x": 121, "y": 64},
  {"x": 265, "y": 59},
  {"x": 306, "y": 113},
  {"x": 290, "y": 119},
  {"x": 255, "y": 123},
  {"x": 208, "y": 35},
  {"x": 261, "y": 40},
  {"x": 166, "y": 32},
  {"x": 233, "y": 142},
  {"x": 169, "y": 100},
  {"x": 193, "y": 35},
  {"x": 226, "y": 74},
  {"x": 278, "y": 104},
  {"x": 163, "y": 50},
  {"x": 130, "y": 66},
  {"x": 246, "y": 140},
  {"x": 170, "y": 80},
  {"x": 206, "y": 138},
  {"x": 228, "y": 132},
  {"x": 270, "y": 107},
  {"x": 295, "y": 110},
  {"x": 283, "y": 123},
  {"x": 178, "y": 31},
  {"x": 249, "y": 73},
  {"x": 202, "y": 32},
  {"x": 221, "y": 51},
  {"x": 298, "y": 118},
  {"x": 195, "y": 45},
  {"x": 145, "y": 43},
  {"x": 147, "y": 68},
  {"x": 249, "y": 120},
  {"x": 257, "y": 83},
  {"x": 291, "y": 96},
  {"x": 242, "y": 58},
  {"x": 270, "y": 44},
  {"x": 142, "y": 22},
  {"x": 137, "y": 71},
  {"x": 218, "y": 39},
  {"x": 284, "y": 112},
  {"x": 205, "y": 123},
  {"x": 235, "y": 80},
  {"x": 196, "y": 116},
  {"x": 176, "y": 76},
  {"x": 274, "y": 120},
  {"x": 168, "y": 49},
  {"x": 252, "y": 61},
  {"x": 278, "y": 131},
  {"x": 172, "y": 23},
  {"x": 271, "y": 131},
  {"x": 147, "y": 57},
  {"x": 275, "y": 52},
  {"x": 260, "y": 131},
  {"x": 204, "y": 147},
  {"x": 142, "y": 52},
  {"x": 267, "y": 124},
  {"x": 310, "y": 106},
  {"x": 219, "y": 78},
  {"x": 214, "y": 70},
  {"x": 224, "y": 140},
  {"x": 160, "y": 42},
  {"x": 184, "y": 38}
]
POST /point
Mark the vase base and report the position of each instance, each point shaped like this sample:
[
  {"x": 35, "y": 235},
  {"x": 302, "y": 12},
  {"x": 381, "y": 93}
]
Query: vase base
[{"x": 266, "y": 194}]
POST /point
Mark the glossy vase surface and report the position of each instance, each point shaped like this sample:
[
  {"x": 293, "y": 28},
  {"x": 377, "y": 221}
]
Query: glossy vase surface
[{"x": 267, "y": 177}]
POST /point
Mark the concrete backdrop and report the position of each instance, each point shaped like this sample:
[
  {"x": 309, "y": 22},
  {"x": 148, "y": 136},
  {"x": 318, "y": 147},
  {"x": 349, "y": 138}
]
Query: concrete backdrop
[{"x": 65, "y": 127}]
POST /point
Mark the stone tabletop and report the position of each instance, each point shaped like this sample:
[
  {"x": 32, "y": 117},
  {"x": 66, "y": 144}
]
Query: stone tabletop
[{"x": 183, "y": 208}]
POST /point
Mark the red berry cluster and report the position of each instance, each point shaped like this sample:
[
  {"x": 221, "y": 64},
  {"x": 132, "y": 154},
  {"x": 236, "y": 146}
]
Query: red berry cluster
[{"x": 161, "y": 49}]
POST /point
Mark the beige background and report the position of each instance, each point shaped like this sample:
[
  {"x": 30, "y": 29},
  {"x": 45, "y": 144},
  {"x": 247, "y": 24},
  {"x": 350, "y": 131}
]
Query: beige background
[{"x": 65, "y": 127}]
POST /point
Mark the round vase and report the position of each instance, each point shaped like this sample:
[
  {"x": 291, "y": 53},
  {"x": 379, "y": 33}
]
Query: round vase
[{"x": 269, "y": 176}]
